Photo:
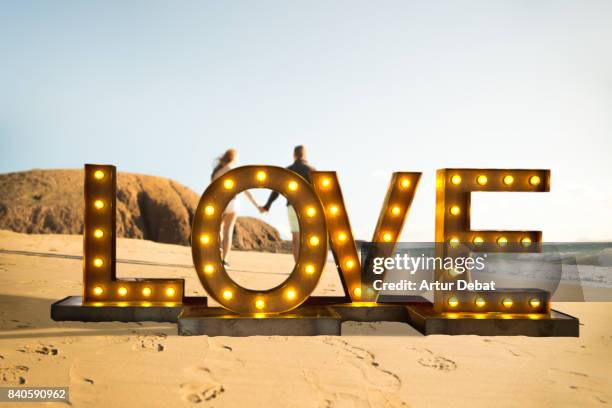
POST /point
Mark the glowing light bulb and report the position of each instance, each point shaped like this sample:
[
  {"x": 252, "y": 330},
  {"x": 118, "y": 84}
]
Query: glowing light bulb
[
  {"x": 508, "y": 180},
  {"x": 311, "y": 212},
  {"x": 170, "y": 292},
  {"x": 228, "y": 184},
  {"x": 98, "y": 262},
  {"x": 482, "y": 180},
  {"x": 456, "y": 179},
  {"x": 98, "y": 174},
  {"x": 333, "y": 209},
  {"x": 205, "y": 239},
  {"x": 534, "y": 302},
  {"x": 293, "y": 186},
  {"x": 342, "y": 237},
  {"x": 209, "y": 268},
  {"x": 405, "y": 182},
  {"x": 290, "y": 294},
  {"x": 146, "y": 291},
  {"x": 99, "y": 204},
  {"x": 260, "y": 304},
  {"x": 507, "y": 302},
  {"x": 454, "y": 242},
  {"x": 209, "y": 210},
  {"x": 387, "y": 237},
  {"x": 526, "y": 241},
  {"x": 227, "y": 294},
  {"x": 98, "y": 233},
  {"x": 480, "y": 302},
  {"x": 502, "y": 241},
  {"x": 534, "y": 180},
  {"x": 396, "y": 210},
  {"x": 357, "y": 292},
  {"x": 326, "y": 182},
  {"x": 314, "y": 240},
  {"x": 453, "y": 301},
  {"x": 122, "y": 291},
  {"x": 349, "y": 264},
  {"x": 478, "y": 241},
  {"x": 455, "y": 210},
  {"x": 309, "y": 269},
  {"x": 98, "y": 290},
  {"x": 261, "y": 175}
]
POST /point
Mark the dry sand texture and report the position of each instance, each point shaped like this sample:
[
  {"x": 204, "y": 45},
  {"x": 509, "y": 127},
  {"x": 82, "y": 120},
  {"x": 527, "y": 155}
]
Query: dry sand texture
[{"x": 373, "y": 365}]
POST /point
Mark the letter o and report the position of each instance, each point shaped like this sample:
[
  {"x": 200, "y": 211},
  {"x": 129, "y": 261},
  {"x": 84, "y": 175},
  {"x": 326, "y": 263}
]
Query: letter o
[{"x": 313, "y": 240}]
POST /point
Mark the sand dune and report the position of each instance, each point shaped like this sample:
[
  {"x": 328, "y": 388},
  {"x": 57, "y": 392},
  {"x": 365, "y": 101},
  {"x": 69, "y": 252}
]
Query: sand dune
[{"x": 373, "y": 365}]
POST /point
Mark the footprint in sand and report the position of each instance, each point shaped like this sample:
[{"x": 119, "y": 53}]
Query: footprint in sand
[
  {"x": 150, "y": 342},
  {"x": 432, "y": 360},
  {"x": 382, "y": 385},
  {"x": 202, "y": 388},
  {"x": 14, "y": 375},
  {"x": 45, "y": 349}
]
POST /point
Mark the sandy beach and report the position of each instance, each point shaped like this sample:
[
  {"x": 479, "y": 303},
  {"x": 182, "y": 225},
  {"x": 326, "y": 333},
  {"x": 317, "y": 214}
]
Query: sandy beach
[{"x": 122, "y": 364}]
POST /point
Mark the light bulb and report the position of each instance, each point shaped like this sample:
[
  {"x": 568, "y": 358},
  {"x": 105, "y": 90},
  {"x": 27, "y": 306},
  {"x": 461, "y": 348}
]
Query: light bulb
[{"x": 228, "y": 184}]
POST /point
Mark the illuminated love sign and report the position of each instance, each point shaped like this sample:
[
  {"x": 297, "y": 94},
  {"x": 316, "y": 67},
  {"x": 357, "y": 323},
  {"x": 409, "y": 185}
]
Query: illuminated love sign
[{"x": 323, "y": 221}]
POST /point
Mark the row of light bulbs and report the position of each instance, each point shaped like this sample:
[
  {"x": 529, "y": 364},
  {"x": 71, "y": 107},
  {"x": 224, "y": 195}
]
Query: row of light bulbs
[
  {"x": 123, "y": 291},
  {"x": 501, "y": 241},
  {"x": 508, "y": 180},
  {"x": 480, "y": 302}
]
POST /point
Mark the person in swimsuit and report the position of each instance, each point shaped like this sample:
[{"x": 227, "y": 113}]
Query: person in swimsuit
[
  {"x": 225, "y": 163},
  {"x": 300, "y": 166}
]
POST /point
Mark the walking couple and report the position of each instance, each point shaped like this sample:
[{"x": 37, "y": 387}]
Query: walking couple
[{"x": 228, "y": 161}]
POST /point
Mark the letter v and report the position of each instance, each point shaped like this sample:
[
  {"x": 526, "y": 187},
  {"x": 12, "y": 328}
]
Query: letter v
[{"x": 391, "y": 220}]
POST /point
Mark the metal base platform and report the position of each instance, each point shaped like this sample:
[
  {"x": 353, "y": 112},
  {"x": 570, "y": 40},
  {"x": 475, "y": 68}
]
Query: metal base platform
[
  {"x": 317, "y": 316},
  {"x": 72, "y": 308},
  {"x": 216, "y": 321},
  {"x": 424, "y": 319}
]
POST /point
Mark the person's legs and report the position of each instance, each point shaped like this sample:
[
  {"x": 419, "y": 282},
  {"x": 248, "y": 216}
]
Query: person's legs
[
  {"x": 294, "y": 225},
  {"x": 295, "y": 239},
  {"x": 227, "y": 233}
]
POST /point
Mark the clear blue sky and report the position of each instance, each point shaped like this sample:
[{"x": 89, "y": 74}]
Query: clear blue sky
[{"x": 369, "y": 87}]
